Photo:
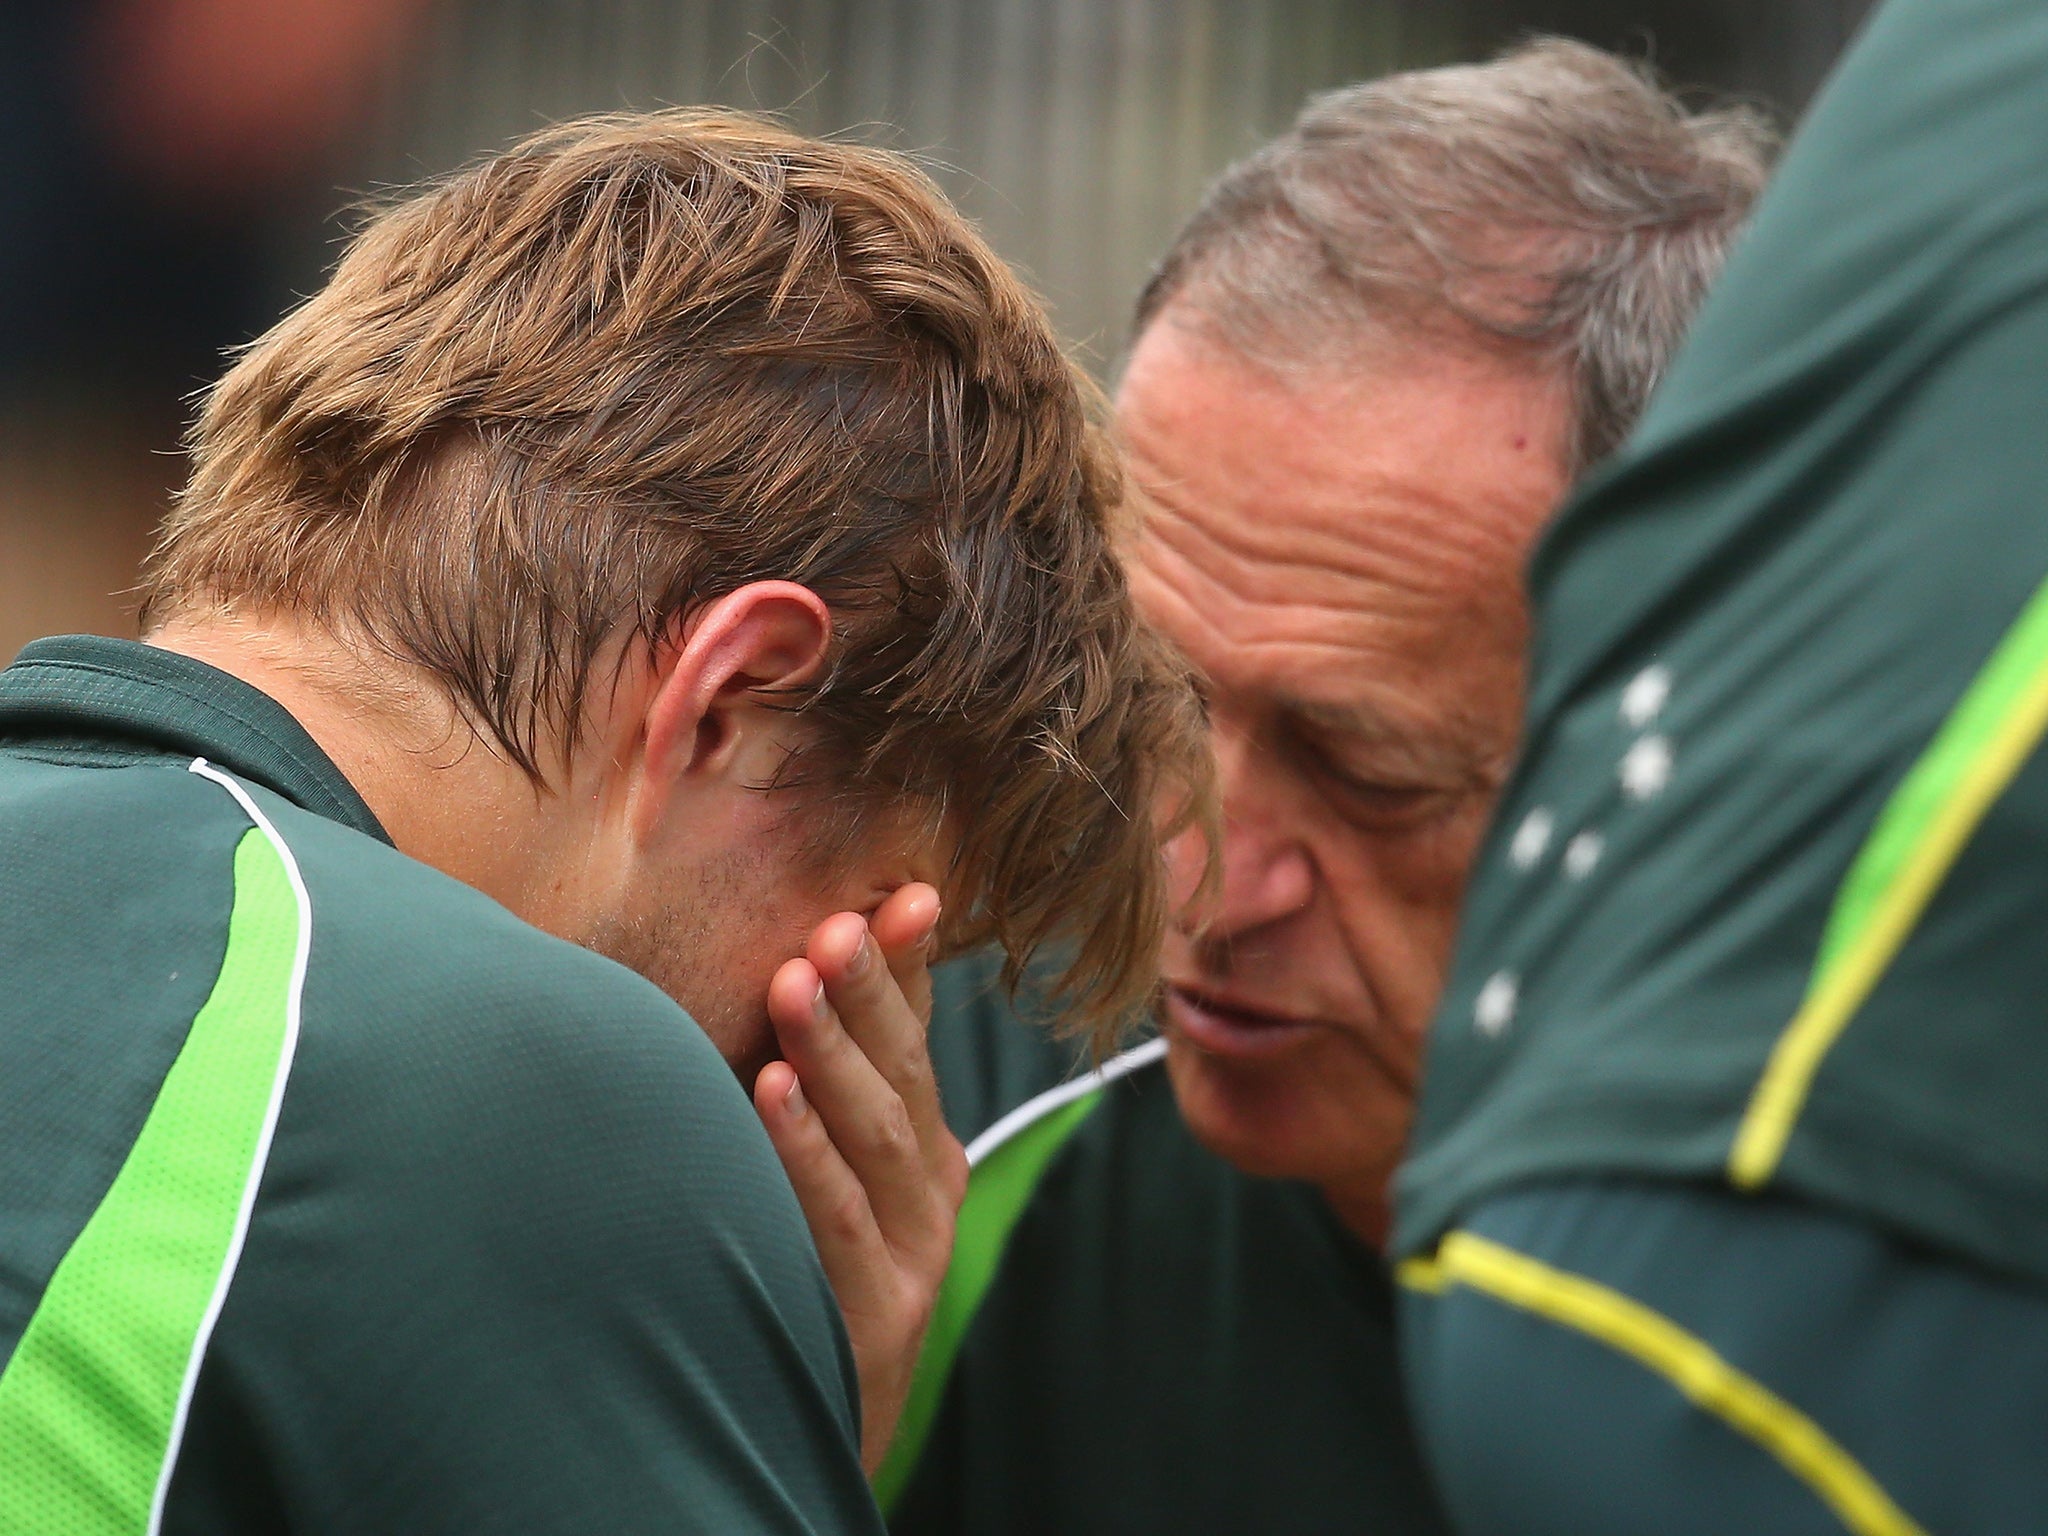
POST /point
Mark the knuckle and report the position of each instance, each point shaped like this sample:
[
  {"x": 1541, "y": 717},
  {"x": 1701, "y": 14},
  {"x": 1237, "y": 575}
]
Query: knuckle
[
  {"x": 847, "y": 1215},
  {"x": 891, "y": 1133},
  {"x": 914, "y": 1069},
  {"x": 912, "y": 1293},
  {"x": 916, "y": 1308}
]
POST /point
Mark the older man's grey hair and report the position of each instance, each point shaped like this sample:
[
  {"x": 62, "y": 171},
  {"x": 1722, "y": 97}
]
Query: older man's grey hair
[{"x": 1555, "y": 202}]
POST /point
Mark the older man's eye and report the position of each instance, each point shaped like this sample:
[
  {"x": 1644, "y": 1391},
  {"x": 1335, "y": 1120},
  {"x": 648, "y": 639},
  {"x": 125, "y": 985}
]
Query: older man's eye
[{"x": 1388, "y": 803}]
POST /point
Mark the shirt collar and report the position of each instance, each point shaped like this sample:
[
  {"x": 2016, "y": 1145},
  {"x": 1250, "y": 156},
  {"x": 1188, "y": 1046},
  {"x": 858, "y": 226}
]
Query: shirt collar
[{"x": 86, "y": 687}]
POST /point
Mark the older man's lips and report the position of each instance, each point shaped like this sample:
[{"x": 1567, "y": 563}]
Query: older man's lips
[{"x": 1223, "y": 1027}]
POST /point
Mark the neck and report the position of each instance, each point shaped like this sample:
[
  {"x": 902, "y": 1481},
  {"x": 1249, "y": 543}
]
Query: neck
[
  {"x": 1363, "y": 1210},
  {"x": 439, "y": 789}
]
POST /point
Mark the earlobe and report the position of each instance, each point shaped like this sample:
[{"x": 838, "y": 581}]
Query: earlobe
[{"x": 711, "y": 713}]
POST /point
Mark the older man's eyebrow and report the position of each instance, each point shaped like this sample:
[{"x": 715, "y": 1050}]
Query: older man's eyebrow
[
  {"x": 1448, "y": 747},
  {"x": 1357, "y": 722}
]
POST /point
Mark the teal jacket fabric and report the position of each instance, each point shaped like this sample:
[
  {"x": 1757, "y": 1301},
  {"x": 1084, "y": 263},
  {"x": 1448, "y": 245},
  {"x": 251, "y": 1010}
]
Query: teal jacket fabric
[
  {"x": 1136, "y": 1337},
  {"x": 333, "y": 1198},
  {"x": 1789, "y": 690}
]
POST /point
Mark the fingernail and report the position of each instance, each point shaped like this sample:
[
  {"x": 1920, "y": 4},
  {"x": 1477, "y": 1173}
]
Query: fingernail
[
  {"x": 793, "y": 1101},
  {"x": 819, "y": 1007},
  {"x": 859, "y": 963},
  {"x": 930, "y": 941}
]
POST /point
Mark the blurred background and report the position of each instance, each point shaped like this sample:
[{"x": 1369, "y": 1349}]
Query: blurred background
[{"x": 174, "y": 172}]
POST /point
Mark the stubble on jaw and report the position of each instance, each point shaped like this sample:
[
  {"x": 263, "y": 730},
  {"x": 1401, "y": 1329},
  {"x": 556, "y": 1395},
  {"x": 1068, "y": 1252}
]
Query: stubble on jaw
[{"x": 693, "y": 939}]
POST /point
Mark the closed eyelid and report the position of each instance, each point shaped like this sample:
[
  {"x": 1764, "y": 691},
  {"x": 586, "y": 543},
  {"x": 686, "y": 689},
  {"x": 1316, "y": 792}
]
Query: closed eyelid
[
  {"x": 1368, "y": 748},
  {"x": 1367, "y": 743}
]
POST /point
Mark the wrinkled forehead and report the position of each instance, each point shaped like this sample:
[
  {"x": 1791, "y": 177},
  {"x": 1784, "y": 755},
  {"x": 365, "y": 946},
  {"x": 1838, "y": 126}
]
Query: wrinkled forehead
[{"x": 1312, "y": 533}]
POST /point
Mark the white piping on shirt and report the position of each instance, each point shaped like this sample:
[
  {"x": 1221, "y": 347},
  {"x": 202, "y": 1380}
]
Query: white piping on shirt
[{"x": 1036, "y": 1109}]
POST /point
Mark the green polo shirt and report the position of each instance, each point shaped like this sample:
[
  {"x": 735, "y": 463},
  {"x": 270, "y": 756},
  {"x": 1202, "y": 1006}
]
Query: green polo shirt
[
  {"x": 1765, "y": 901},
  {"x": 1134, "y": 1336},
  {"x": 333, "y": 1198}
]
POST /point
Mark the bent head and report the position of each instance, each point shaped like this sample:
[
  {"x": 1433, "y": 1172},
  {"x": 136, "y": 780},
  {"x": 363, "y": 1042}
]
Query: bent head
[
  {"x": 734, "y": 538},
  {"x": 1365, "y": 376},
  {"x": 1339, "y": 558}
]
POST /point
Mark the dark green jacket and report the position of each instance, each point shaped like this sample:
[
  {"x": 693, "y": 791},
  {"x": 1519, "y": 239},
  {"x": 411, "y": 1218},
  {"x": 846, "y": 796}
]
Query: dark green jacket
[
  {"x": 1134, "y": 1336},
  {"x": 333, "y": 1198},
  {"x": 1787, "y": 705}
]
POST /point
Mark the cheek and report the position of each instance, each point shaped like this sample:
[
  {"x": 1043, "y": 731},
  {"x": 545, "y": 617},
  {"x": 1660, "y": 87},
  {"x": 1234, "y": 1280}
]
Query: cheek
[
  {"x": 752, "y": 918},
  {"x": 1398, "y": 898},
  {"x": 1421, "y": 869}
]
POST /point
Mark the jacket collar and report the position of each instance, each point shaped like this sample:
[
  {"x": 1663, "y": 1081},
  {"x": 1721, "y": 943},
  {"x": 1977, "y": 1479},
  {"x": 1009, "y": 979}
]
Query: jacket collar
[{"x": 86, "y": 690}]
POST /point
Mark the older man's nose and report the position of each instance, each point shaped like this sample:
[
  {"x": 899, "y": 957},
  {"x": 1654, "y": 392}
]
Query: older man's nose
[{"x": 1266, "y": 875}]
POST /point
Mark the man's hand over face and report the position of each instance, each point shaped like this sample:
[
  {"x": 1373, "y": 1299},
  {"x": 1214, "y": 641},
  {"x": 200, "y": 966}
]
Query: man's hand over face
[{"x": 854, "y": 1114}]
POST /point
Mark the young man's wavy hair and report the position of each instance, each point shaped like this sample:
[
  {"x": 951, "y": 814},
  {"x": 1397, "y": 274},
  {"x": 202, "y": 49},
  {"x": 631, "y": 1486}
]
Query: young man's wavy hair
[{"x": 636, "y": 362}]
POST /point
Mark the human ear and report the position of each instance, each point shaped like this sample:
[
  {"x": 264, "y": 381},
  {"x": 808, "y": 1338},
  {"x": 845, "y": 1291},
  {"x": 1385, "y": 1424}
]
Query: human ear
[{"x": 711, "y": 715}]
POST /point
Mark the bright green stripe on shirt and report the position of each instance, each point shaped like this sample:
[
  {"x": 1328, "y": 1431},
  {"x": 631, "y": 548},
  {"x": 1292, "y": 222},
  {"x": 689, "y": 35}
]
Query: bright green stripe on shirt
[
  {"x": 95, "y": 1390},
  {"x": 1922, "y": 831},
  {"x": 997, "y": 1193}
]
